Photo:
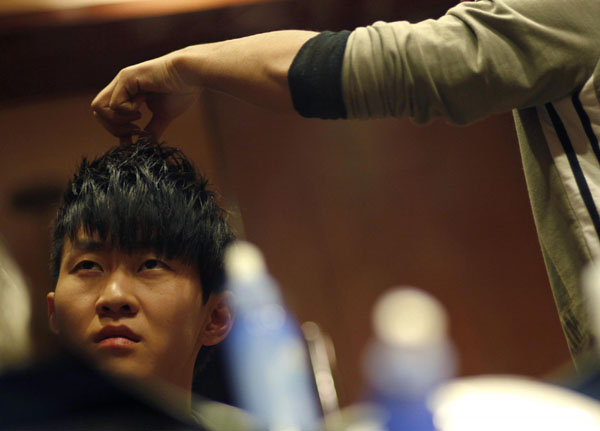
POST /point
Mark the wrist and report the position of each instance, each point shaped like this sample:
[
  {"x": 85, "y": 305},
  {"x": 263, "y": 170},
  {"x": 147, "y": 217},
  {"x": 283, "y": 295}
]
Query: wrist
[{"x": 186, "y": 65}]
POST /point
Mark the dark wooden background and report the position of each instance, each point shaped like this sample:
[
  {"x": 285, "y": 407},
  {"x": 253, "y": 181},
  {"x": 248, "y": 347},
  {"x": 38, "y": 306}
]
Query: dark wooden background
[{"x": 342, "y": 210}]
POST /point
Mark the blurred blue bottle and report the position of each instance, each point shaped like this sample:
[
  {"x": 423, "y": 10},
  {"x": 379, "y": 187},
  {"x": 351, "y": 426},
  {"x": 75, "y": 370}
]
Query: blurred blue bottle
[
  {"x": 410, "y": 356},
  {"x": 266, "y": 352}
]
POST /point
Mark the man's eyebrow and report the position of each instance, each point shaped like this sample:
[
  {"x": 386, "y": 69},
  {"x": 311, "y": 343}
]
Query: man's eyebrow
[{"x": 88, "y": 245}]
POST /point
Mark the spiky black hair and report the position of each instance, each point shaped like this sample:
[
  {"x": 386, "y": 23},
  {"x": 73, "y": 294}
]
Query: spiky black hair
[{"x": 145, "y": 196}]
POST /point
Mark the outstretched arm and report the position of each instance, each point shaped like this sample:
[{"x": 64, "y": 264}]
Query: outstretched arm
[
  {"x": 480, "y": 58},
  {"x": 253, "y": 68}
]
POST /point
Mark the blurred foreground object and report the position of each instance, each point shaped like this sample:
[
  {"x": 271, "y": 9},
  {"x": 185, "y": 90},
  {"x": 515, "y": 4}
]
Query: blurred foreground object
[
  {"x": 15, "y": 314},
  {"x": 410, "y": 357},
  {"x": 507, "y": 403},
  {"x": 322, "y": 359},
  {"x": 69, "y": 394},
  {"x": 410, "y": 363},
  {"x": 266, "y": 351}
]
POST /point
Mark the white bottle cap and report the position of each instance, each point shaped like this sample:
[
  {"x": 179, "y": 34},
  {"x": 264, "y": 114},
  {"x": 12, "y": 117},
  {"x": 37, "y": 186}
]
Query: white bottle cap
[
  {"x": 409, "y": 317},
  {"x": 244, "y": 261}
]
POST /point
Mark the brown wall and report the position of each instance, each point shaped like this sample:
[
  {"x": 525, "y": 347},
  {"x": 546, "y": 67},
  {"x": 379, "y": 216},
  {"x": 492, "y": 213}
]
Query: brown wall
[
  {"x": 345, "y": 210},
  {"x": 342, "y": 211}
]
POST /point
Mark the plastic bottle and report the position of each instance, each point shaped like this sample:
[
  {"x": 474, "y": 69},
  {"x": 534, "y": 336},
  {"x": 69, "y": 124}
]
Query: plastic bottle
[
  {"x": 266, "y": 352},
  {"x": 410, "y": 356}
]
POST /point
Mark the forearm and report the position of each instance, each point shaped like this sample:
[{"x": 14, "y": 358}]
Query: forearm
[{"x": 253, "y": 68}]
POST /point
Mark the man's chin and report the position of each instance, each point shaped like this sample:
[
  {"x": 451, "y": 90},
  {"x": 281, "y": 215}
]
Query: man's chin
[
  {"x": 125, "y": 368},
  {"x": 145, "y": 381},
  {"x": 133, "y": 367}
]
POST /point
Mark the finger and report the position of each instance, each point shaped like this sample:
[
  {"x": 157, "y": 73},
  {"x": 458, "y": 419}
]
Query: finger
[
  {"x": 117, "y": 118},
  {"x": 125, "y": 140},
  {"x": 157, "y": 126},
  {"x": 132, "y": 105},
  {"x": 165, "y": 110},
  {"x": 125, "y": 90},
  {"x": 115, "y": 123},
  {"x": 118, "y": 129},
  {"x": 103, "y": 97}
]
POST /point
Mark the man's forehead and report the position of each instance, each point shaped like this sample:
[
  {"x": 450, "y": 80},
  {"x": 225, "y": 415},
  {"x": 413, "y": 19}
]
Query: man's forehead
[{"x": 83, "y": 241}]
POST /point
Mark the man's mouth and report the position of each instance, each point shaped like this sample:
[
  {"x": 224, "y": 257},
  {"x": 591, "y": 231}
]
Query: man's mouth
[{"x": 116, "y": 335}]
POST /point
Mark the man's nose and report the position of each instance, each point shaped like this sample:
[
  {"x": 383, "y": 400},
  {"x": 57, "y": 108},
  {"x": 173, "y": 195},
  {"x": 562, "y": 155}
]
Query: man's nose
[{"x": 116, "y": 298}]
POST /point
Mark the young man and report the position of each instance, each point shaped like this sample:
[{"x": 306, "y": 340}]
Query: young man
[
  {"x": 137, "y": 261},
  {"x": 538, "y": 57}
]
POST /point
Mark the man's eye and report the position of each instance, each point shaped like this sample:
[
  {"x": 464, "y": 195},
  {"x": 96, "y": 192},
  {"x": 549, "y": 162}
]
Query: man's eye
[
  {"x": 87, "y": 265},
  {"x": 153, "y": 264}
]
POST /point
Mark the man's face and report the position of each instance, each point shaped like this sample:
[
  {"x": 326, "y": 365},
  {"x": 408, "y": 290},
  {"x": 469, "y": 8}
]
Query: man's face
[{"x": 135, "y": 314}]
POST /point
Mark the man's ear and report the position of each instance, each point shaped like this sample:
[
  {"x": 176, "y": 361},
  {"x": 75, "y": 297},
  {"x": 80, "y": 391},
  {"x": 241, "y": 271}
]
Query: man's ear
[
  {"x": 220, "y": 319},
  {"x": 51, "y": 312}
]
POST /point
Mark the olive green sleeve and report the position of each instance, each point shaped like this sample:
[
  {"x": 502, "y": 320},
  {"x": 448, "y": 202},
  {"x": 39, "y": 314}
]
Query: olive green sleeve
[{"x": 480, "y": 58}]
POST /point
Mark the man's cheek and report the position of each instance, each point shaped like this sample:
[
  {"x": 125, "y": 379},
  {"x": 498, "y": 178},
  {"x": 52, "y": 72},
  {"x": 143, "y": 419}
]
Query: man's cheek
[{"x": 69, "y": 321}]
